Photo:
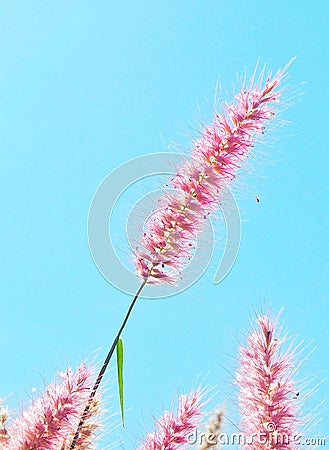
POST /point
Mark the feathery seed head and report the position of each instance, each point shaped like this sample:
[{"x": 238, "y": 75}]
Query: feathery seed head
[
  {"x": 51, "y": 421},
  {"x": 267, "y": 397},
  {"x": 174, "y": 430},
  {"x": 213, "y": 429},
  {"x": 170, "y": 233}
]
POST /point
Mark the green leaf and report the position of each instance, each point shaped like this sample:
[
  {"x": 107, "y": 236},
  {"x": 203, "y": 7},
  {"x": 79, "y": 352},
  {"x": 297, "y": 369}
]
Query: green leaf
[{"x": 120, "y": 375}]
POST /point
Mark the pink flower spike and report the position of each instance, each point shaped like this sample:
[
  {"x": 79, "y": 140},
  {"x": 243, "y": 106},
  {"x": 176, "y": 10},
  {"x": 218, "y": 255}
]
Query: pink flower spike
[
  {"x": 197, "y": 187},
  {"x": 268, "y": 396},
  {"x": 51, "y": 421},
  {"x": 173, "y": 431}
]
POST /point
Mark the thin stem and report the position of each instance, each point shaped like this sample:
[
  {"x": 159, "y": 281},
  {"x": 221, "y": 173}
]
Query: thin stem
[{"x": 104, "y": 367}]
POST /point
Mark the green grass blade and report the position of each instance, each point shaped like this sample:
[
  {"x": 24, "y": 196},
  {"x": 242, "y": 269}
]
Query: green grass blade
[{"x": 120, "y": 375}]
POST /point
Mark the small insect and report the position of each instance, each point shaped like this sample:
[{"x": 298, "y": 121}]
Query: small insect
[
  {"x": 257, "y": 199},
  {"x": 296, "y": 394},
  {"x": 268, "y": 337}
]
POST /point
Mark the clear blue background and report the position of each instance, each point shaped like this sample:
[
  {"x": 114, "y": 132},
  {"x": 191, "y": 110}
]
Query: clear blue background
[{"x": 86, "y": 86}]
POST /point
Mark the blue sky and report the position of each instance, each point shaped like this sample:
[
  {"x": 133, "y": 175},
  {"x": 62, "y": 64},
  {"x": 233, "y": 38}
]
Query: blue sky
[{"x": 87, "y": 86}]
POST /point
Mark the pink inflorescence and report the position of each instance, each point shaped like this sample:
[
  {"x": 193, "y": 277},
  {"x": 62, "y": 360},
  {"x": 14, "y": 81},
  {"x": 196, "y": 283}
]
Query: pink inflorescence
[
  {"x": 173, "y": 431},
  {"x": 267, "y": 398},
  {"x": 170, "y": 233},
  {"x": 51, "y": 421}
]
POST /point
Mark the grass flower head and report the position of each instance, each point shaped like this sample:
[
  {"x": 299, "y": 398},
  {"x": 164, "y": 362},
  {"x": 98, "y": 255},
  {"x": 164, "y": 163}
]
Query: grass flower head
[
  {"x": 268, "y": 398},
  {"x": 51, "y": 421},
  {"x": 172, "y": 430},
  {"x": 170, "y": 233}
]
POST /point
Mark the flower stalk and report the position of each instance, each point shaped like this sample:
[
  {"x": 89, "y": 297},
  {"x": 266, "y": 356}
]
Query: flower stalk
[{"x": 103, "y": 370}]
